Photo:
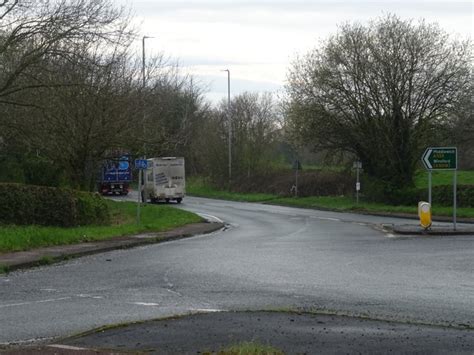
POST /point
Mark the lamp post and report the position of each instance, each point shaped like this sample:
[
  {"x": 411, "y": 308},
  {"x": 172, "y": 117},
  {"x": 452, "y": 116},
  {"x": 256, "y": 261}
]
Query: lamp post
[
  {"x": 143, "y": 87},
  {"x": 143, "y": 60},
  {"x": 140, "y": 172},
  {"x": 230, "y": 124}
]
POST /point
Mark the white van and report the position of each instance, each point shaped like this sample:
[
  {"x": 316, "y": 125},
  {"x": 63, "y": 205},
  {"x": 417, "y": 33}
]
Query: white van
[{"x": 164, "y": 180}]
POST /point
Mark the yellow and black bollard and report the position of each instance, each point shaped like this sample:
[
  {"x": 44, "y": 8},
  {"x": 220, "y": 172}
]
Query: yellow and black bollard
[{"x": 424, "y": 213}]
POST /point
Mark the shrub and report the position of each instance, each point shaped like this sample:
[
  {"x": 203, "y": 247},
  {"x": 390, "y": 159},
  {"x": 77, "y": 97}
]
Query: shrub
[
  {"x": 443, "y": 195},
  {"x": 379, "y": 191},
  {"x": 91, "y": 209},
  {"x": 29, "y": 204}
]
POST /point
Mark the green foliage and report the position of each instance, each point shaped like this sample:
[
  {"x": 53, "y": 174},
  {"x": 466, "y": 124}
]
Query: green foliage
[
  {"x": 41, "y": 171},
  {"x": 442, "y": 195},
  {"x": 464, "y": 177},
  {"x": 154, "y": 218},
  {"x": 381, "y": 91},
  {"x": 4, "y": 269},
  {"x": 39, "y": 205},
  {"x": 201, "y": 187},
  {"x": 250, "y": 348},
  {"x": 379, "y": 191},
  {"x": 91, "y": 209}
]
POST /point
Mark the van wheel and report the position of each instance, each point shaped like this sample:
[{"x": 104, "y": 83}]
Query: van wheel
[{"x": 179, "y": 200}]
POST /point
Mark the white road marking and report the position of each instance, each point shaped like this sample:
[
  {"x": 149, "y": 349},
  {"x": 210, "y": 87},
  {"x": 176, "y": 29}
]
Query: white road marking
[
  {"x": 148, "y": 304},
  {"x": 206, "y": 310},
  {"x": 81, "y": 295},
  {"x": 66, "y": 347},
  {"x": 328, "y": 219},
  {"x": 210, "y": 217},
  {"x": 34, "y": 302}
]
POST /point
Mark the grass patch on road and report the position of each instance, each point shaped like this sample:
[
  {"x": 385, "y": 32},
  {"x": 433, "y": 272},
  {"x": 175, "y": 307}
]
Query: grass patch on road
[
  {"x": 250, "y": 348},
  {"x": 154, "y": 218}
]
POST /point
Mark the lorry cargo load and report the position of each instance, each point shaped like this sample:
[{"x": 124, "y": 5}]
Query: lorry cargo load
[
  {"x": 164, "y": 180},
  {"x": 116, "y": 176}
]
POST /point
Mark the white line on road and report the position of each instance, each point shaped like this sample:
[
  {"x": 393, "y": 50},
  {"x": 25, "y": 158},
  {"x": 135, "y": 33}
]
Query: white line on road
[
  {"x": 148, "y": 304},
  {"x": 328, "y": 219},
  {"x": 34, "y": 302},
  {"x": 206, "y": 310},
  {"x": 66, "y": 347},
  {"x": 81, "y": 295},
  {"x": 210, "y": 217}
]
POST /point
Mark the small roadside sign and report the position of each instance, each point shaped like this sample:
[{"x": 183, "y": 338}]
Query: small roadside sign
[
  {"x": 440, "y": 158},
  {"x": 141, "y": 164}
]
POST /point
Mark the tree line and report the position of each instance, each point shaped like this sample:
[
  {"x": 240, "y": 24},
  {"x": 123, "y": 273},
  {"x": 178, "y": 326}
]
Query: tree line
[{"x": 71, "y": 92}]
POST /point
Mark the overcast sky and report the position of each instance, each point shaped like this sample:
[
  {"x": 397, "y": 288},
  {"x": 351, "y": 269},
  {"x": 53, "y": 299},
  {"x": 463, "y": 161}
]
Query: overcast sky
[{"x": 256, "y": 40}]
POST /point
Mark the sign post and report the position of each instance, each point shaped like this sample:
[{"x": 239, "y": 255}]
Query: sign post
[
  {"x": 357, "y": 165},
  {"x": 296, "y": 167},
  {"x": 442, "y": 158},
  {"x": 140, "y": 165}
]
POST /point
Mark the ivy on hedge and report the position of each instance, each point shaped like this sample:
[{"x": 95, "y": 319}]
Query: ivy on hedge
[{"x": 48, "y": 206}]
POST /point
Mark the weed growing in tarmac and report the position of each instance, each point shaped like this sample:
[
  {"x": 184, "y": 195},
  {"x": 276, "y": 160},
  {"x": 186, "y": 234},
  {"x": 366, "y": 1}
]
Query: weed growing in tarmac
[
  {"x": 4, "y": 269},
  {"x": 46, "y": 260},
  {"x": 250, "y": 348}
]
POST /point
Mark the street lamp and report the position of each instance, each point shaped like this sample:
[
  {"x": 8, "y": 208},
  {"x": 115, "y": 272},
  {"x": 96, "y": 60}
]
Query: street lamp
[
  {"x": 143, "y": 59},
  {"x": 142, "y": 172},
  {"x": 143, "y": 86},
  {"x": 230, "y": 124}
]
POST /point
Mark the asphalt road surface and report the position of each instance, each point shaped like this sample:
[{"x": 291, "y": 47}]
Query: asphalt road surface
[{"x": 269, "y": 257}]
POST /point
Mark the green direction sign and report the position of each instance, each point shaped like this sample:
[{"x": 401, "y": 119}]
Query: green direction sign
[{"x": 440, "y": 158}]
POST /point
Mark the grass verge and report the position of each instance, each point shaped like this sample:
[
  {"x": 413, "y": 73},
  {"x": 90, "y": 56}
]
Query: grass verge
[
  {"x": 333, "y": 203},
  {"x": 348, "y": 204},
  {"x": 154, "y": 218},
  {"x": 199, "y": 187},
  {"x": 464, "y": 177},
  {"x": 250, "y": 348}
]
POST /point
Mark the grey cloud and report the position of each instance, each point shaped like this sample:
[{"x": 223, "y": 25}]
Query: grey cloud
[{"x": 167, "y": 7}]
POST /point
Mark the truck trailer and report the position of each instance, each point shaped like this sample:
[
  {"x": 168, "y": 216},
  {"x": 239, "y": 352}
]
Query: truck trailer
[
  {"x": 164, "y": 180},
  {"x": 116, "y": 176}
]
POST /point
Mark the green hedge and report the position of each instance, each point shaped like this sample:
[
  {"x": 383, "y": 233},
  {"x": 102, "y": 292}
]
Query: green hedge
[
  {"x": 378, "y": 191},
  {"x": 29, "y": 204}
]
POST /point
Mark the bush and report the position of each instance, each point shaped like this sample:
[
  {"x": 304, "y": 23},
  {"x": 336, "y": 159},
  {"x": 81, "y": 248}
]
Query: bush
[
  {"x": 29, "y": 204},
  {"x": 443, "y": 195},
  {"x": 379, "y": 191}
]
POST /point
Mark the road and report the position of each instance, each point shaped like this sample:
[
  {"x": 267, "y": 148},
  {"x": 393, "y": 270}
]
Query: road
[{"x": 269, "y": 257}]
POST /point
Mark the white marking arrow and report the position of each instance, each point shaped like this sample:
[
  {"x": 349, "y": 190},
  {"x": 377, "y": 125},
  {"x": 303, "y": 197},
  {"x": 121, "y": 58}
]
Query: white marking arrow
[{"x": 426, "y": 157}]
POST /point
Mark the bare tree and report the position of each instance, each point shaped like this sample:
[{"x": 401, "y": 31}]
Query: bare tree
[
  {"x": 255, "y": 131},
  {"x": 30, "y": 31},
  {"x": 380, "y": 92}
]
